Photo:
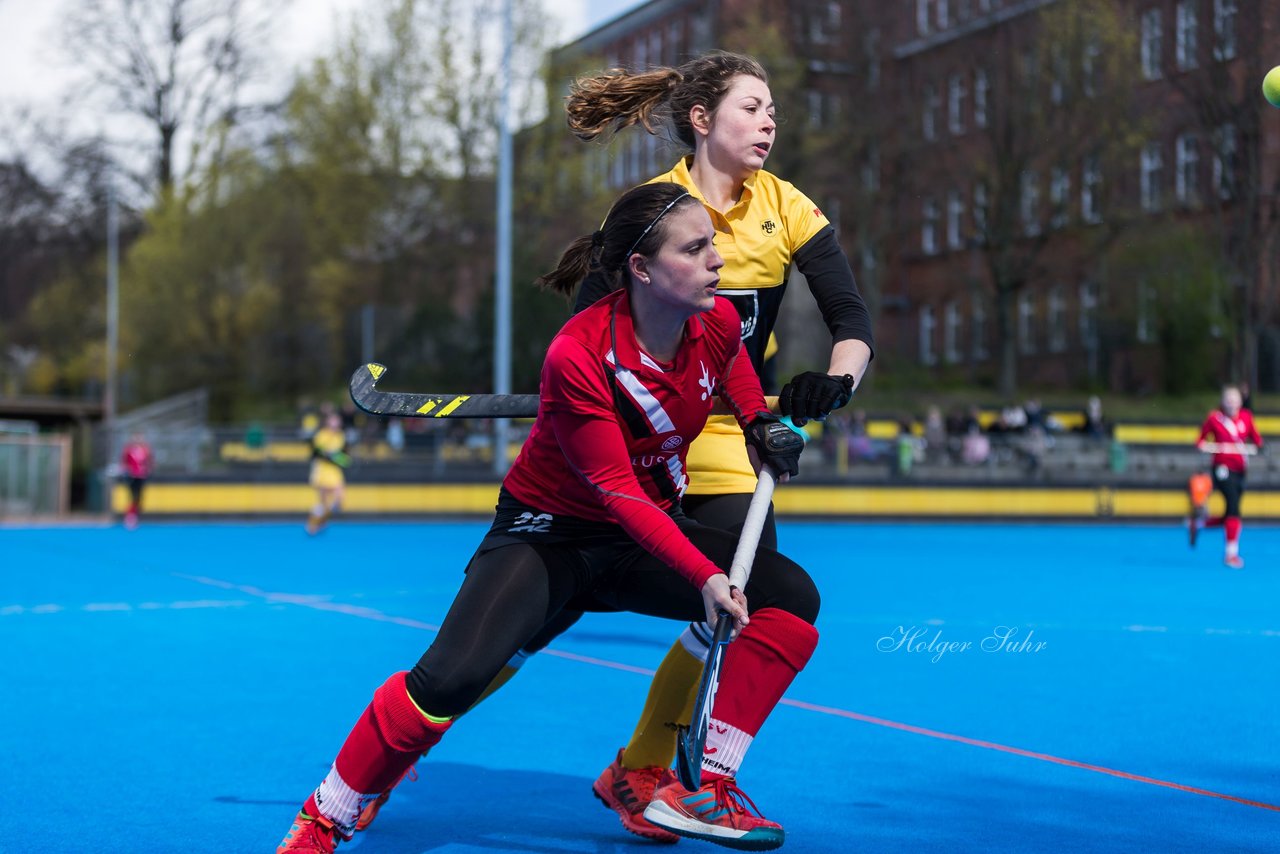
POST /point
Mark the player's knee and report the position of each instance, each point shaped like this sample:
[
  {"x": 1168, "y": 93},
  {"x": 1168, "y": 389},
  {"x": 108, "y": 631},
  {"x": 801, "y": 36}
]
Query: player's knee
[
  {"x": 444, "y": 693},
  {"x": 794, "y": 591}
]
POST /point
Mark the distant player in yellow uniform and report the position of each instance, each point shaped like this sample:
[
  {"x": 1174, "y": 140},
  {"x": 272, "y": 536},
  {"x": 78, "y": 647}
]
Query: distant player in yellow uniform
[
  {"x": 328, "y": 459},
  {"x": 721, "y": 107}
]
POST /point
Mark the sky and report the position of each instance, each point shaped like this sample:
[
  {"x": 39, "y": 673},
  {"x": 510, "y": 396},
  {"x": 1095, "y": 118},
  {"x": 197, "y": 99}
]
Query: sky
[{"x": 30, "y": 70}]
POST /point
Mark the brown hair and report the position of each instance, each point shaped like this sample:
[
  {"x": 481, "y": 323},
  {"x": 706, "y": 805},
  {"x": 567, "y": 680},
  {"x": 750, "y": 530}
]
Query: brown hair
[
  {"x": 615, "y": 99},
  {"x": 635, "y": 224}
]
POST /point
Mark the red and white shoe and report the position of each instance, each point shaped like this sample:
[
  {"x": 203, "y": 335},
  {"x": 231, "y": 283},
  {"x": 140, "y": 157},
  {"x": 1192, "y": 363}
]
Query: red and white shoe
[
  {"x": 1234, "y": 562},
  {"x": 717, "y": 812},
  {"x": 627, "y": 791},
  {"x": 312, "y": 834}
]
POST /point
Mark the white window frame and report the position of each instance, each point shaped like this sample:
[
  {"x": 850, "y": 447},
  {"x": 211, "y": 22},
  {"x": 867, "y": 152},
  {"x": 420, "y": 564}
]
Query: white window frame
[
  {"x": 978, "y": 329},
  {"x": 824, "y": 24},
  {"x": 951, "y": 333},
  {"x": 1145, "y": 330},
  {"x": 922, "y": 17},
  {"x": 1056, "y": 320},
  {"x": 957, "y": 93},
  {"x": 981, "y": 98},
  {"x": 1059, "y": 197},
  {"x": 1151, "y": 177},
  {"x": 929, "y": 112},
  {"x": 1187, "y": 28},
  {"x": 928, "y": 356},
  {"x": 1026, "y": 324},
  {"x": 929, "y": 227},
  {"x": 1029, "y": 202},
  {"x": 1225, "y": 144},
  {"x": 1224, "y": 30},
  {"x": 1151, "y": 42},
  {"x": 1187, "y": 169},
  {"x": 1089, "y": 315},
  {"x": 980, "y": 211},
  {"x": 955, "y": 214},
  {"x": 1090, "y": 191},
  {"x": 943, "y": 13}
]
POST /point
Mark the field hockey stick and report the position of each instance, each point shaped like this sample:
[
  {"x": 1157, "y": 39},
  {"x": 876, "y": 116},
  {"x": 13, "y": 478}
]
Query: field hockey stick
[
  {"x": 364, "y": 394},
  {"x": 1227, "y": 448},
  {"x": 692, "y": 739}
]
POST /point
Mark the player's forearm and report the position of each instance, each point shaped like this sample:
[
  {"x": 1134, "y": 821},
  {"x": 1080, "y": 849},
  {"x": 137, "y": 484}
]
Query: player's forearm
[{"x": 851, "y": 357}]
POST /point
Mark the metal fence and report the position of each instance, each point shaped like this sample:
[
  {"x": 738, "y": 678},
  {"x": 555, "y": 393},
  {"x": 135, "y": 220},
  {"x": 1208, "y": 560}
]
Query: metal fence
[{"x": 35, "y": 475}]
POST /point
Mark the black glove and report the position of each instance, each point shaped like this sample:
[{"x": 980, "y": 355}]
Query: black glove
[
  {"x": 813, "y": 394},
  {"x": 777, "y": 444}
]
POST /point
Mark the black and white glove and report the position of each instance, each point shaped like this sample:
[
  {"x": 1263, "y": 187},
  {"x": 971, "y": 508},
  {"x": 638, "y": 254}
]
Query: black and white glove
[
  {"x": 812, "y": 395},
  {"x": 776, "y": 444}
]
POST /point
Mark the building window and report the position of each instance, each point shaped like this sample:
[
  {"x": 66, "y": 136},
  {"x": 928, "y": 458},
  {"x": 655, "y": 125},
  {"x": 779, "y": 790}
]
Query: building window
[
  {"x": 675, "y": 39},
  {"x": 978, "y": 329},
  {"x": 1149, "y": 178},
  {"x": 868, "y": 256},
  {"x": 1187, "y": 178},
  {"x": 1151, "y": 39},
  {"x": 1091, "y": 191},
  {"x": 824, "y": 109},
  {"x": 929, "y": 228},
  {"x": 871, "y": 44},
  {"x": 1146, "y": 330},
  {"x": 980, "y": 212},
  {"x": 1026, "y": 324},
  {"x": 929, "y": 114},
  {"x": 1059, "y": 71},
  {"x": 927, "y": 324},
  {"x": 963, "y": 11},
  {"x": 922, "y": 17},
  {"x": 824, "y": 24},
  {"x": 1059, "y": 197},
  {"x": 956, "y": 96},
  {"x": 1057, "y": 320},
  {"x": 1224, "y": 161},
  {"x": 951, "y": 333},
  {"x": 1029, "y": 206},
  {"x": 981, "y": 95},
  {"x": 955, "y": 212},
  {"x": 1186, "y": 35},
  {"x": 1089, "y": 65},
  {"x": 1089, "y": 315},
  {"x": 871, "y": 169},
  {"x": 944, "y": 13},
  {"x": 1224, "y": 30}
]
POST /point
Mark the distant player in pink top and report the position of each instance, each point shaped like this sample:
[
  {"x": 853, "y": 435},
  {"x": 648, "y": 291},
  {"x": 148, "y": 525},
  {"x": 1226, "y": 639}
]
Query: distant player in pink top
[
  {"x": 589, "y": 517},
  {"x": 1230, "y": 435},
  {"x": 137, "y": 462}
]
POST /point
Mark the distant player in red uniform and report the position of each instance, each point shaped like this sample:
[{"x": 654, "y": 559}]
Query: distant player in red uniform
[
  {"x": 137, "y": 462},
  {"x": 1230, "y": 435},
  {"x": 589, "y": 517}
]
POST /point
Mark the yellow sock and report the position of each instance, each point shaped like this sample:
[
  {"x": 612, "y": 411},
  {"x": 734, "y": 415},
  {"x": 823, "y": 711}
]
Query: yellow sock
[{"x": 670, "y": 702}]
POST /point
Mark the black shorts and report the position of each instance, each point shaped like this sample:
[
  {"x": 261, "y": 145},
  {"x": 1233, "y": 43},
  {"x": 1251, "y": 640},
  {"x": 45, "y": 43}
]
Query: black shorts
[{"x": 1231, "y": 484}]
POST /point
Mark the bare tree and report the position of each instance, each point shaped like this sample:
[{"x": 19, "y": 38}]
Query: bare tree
[{"x": 179, "y": 66}]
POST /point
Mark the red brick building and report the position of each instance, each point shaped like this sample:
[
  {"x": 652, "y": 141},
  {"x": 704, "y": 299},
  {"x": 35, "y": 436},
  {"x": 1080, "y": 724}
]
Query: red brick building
[{"x": 1083, "y": 189}]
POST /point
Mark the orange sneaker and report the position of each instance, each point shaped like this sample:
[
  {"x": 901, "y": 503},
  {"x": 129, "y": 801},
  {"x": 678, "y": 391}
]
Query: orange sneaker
[
  {"x": 718, "y": 812},
  {"x": 627, "y": 791},
  {"x": 370, "y": 812},
  {"x": 310, "y": 834}
]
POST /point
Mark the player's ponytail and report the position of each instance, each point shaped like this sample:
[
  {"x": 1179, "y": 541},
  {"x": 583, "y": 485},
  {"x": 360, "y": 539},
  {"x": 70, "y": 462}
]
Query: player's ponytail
[
  {"x": 608, "y": 102},
  {"x": 634, "y": 226}
]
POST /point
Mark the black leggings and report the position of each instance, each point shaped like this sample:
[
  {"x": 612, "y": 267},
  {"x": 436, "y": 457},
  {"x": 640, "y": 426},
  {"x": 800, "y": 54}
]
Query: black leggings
[
  {"x": 1232, "y": 489},
  {"x": 513, "y": 591},
  {"x": 726, "y": 512}
]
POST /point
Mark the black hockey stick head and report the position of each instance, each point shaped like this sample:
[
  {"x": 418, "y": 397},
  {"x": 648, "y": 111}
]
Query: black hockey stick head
[{"x": 691, "y": 740}]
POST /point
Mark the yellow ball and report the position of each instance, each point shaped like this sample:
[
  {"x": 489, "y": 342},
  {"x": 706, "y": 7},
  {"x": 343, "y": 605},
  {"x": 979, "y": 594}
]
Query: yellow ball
[{"x": 1271, "y": 86}]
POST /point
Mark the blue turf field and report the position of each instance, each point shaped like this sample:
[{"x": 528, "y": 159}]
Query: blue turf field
[{"x": 183, "y": 687}]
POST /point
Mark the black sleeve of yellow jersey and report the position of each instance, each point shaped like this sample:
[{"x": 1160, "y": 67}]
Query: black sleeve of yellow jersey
[
  {"x": 595, "y": 287},
  {"x": 831, "y": 281}
]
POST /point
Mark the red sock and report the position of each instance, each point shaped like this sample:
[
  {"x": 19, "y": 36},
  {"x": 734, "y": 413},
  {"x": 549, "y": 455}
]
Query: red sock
[
  {"x": 758, "y": 667},
  {"x": 388, "y": 738},
  {"x": 1213, "y": 521},
  {"x": 1233, "y": 525}
]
